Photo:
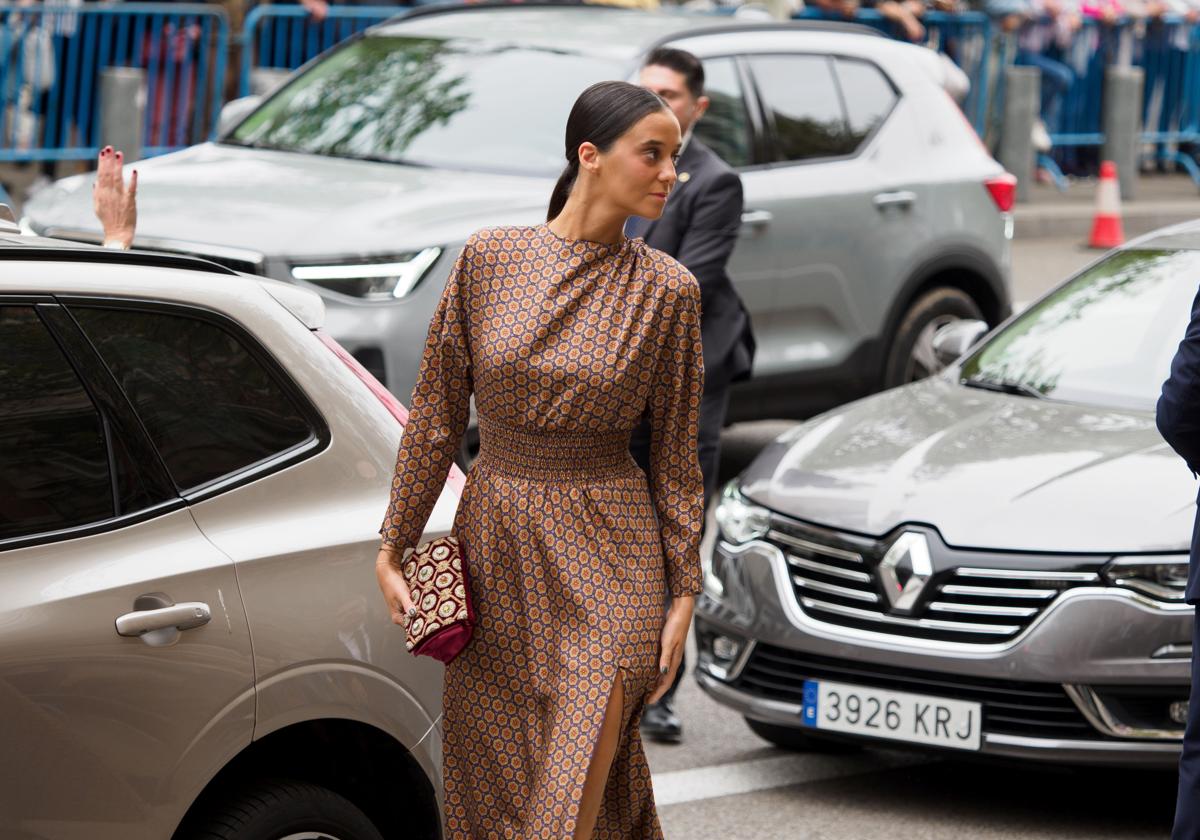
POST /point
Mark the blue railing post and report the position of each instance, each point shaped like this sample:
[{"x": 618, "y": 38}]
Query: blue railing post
[{"x": 286, "y": 37}]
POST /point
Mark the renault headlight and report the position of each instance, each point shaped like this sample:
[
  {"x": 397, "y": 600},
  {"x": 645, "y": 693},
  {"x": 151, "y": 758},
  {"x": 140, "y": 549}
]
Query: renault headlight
[
  {"x": 1163, "y": 577},
  {"x": 372, "y": 280},
  {"x": 739, "y": 519}
]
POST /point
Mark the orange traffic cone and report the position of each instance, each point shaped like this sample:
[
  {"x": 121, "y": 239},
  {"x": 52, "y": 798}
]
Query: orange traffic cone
[{"x": 1106, "y": 224}]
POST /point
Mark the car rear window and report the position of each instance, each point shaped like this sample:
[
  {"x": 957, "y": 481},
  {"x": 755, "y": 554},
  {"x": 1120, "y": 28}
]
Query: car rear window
[
  {"x": 801, "y": 96},
  {"x": 211, "y": 406},
  {"x": 868, "y": 95},
  {"x": 55, "y": 469},
  {"x": 725, "y": 127}
]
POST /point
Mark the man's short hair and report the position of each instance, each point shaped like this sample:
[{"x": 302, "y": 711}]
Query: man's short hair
[{"x": 683, "y": 63}]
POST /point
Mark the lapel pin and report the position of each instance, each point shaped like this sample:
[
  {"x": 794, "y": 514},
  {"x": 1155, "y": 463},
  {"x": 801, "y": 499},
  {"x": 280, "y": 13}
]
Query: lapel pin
[{"x": 683, "y": 177}]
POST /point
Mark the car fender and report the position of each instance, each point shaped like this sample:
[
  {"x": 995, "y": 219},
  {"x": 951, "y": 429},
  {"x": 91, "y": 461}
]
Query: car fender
[
  {"x": 958, "y": 257},
  {"x": 350, "y": 691}
]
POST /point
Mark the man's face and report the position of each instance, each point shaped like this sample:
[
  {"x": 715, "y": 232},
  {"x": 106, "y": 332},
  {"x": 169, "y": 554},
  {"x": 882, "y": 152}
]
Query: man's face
[{"x": 670, "y": 85}]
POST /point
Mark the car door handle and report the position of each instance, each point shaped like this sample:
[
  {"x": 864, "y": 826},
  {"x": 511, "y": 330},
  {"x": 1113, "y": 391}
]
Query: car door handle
[
  {"x": 900, "y": 198},
  {"x": 757, "y": 218},
  {"x": 182, "y": 616}
]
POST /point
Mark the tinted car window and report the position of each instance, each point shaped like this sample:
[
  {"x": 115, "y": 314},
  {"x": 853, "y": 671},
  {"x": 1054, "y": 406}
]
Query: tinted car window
[
  {"x": 1105, "y": 338},
  {"x": 446, "y": 103},
  {"x": 725, "y": 128},
  {"x": 868, "y": 95},
  {"x": 209, "y": 406},
  {"x": 801, "y": 96},
  {"x": 54, "y": 462}
]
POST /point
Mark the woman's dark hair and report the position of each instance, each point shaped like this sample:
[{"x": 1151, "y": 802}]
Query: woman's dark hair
[
  {"x": 683, "y": 63},
  {"x": 601, "y": 114}
]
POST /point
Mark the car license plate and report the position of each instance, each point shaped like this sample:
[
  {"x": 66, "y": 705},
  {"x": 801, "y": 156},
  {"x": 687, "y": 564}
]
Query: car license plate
[{"x": 892, "y": 714}]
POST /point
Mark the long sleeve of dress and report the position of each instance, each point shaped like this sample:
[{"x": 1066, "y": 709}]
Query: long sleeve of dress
[
  {"x": 437, "y": 417},
  {"x": 676, "y": 482}
]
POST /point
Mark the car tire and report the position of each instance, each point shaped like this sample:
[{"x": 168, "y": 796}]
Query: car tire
[
  {"x": 911, "y": 355},
  {"x": 795, "y": 739},
  {"x": 282, "y": 808}
]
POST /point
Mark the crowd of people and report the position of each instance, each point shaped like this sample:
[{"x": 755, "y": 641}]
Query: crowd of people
[{"x": 1066, "y": 40}]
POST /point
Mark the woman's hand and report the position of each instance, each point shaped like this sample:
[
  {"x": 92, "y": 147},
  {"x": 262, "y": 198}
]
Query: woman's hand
[
  {"x": 670, "y": 651},
  {"x": 394, "y": 586},
  {"x": 115, "y": 203}
]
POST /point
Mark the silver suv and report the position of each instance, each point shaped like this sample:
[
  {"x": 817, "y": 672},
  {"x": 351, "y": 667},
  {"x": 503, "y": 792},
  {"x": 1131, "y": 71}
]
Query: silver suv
[
  {"x": 873, "y": 214},
  {"x": 191, "y": 478},
  {"x": 990, "y": 560}
]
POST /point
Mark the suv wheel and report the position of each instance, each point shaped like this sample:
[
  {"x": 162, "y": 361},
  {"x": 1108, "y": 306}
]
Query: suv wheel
[
  {"x": 796, "y": 739},
  {"x": 281, "y": 809},
  {"x": 911, "y": 356}
]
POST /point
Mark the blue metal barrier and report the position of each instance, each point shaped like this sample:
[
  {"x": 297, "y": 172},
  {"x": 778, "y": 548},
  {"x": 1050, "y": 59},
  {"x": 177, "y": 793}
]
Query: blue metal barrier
[
  {"x": 1073, "y": 72},
  {"x": 50, "y": 63},
  {"x": 965, "y": 37},
  {"x": 285, "y": 37}
]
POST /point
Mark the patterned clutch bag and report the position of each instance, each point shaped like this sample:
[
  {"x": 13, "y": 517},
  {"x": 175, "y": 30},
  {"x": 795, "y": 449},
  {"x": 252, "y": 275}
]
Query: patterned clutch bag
[{"x": 436, "y": 573}]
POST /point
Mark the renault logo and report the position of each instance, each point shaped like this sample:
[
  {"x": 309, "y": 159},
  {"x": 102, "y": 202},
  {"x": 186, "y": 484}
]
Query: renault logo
[{"x": 905, "y": 570}]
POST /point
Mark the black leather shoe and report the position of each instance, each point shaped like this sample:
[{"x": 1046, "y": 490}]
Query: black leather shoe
[{"x": 660, "y": 723}]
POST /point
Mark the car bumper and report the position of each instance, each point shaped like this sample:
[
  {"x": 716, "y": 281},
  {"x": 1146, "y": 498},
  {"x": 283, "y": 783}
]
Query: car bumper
[{"x": 1081, "y": 661}]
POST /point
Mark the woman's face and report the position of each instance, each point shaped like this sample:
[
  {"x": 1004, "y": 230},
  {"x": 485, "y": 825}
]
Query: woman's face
[{"x": 638, "y": 170}]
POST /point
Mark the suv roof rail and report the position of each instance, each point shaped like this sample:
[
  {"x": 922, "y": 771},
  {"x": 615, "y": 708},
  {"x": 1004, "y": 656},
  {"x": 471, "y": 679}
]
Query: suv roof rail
[
  {"x": 463, "y": 6},
  {"x": 720, "y": 23},
  {"x": 85, "y": 253},
  {"x": 723, "y": 24}
]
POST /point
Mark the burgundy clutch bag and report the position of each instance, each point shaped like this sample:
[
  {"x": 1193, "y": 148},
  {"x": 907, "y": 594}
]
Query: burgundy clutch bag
[{"x": 436, "y": 573}]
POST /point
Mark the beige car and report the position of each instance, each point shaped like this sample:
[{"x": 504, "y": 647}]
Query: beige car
[{"x": 192, "y": 641}]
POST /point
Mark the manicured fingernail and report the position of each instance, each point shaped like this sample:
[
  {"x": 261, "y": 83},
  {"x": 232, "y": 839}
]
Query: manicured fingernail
[{"x": 663, "y": 669}]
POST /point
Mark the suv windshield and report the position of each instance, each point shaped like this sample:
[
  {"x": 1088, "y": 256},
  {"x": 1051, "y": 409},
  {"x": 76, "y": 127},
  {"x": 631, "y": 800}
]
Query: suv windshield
[
  {"x": 458, "y": 104},
  {"x": 1105, "y": 338}
]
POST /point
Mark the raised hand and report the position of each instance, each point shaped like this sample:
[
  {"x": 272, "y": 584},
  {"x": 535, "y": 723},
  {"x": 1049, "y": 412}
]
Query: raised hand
[{"x": 114, "y": 202}]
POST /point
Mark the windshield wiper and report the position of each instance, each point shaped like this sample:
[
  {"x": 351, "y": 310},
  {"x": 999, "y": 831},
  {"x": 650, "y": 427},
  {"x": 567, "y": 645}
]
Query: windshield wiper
[{"x": 1004, "y": 386}]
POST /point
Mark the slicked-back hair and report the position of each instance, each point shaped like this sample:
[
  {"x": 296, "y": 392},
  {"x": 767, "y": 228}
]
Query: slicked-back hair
[
  {"x": 601, "y": 114},
  {"x": 683, "y": 63}
]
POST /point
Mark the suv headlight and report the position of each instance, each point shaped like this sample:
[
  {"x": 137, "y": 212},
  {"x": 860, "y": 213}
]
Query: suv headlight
[
  {"x": 1162, "y": 577},
  {"x": 375, "y": 280},
  {"x": 739, "y": 519}
]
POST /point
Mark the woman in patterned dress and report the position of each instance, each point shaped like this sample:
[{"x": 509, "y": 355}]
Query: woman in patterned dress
[{"x": 567, "y": 333}]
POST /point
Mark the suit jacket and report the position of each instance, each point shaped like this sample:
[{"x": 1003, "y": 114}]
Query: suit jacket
[
  {"x": 1178, "y": 419},
  {"x": 699, "y": 227}
]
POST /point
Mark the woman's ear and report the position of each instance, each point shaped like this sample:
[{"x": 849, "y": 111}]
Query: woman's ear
[{"x": 589, "y": 156}]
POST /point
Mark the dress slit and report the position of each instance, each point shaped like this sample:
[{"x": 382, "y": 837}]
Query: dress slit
[{"x": 617, "y": 673}]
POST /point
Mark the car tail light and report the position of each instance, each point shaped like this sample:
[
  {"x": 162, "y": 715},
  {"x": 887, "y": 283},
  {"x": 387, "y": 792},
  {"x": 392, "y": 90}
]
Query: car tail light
[
  {"x": 456, "y": 479},
  {"x": 1003, "y": 190}
]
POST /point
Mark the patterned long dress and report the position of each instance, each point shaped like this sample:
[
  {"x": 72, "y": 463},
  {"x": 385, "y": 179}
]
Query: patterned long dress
[{"x": 572, "y": 548}]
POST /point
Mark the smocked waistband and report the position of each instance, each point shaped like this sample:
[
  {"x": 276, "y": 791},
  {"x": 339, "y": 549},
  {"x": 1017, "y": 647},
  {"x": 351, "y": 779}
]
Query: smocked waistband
[{"x": 547, "y": 454}]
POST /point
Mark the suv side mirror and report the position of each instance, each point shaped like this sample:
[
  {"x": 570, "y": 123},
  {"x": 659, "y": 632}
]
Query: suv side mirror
[
  {"x": 955, "y": 338},
  {"x": 234, "y": 112}
]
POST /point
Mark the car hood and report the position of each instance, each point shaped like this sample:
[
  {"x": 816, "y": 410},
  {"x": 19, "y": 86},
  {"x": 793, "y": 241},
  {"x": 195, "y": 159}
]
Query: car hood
[
  {"x": 301, "y": 205},
  {"x": 986, "y": 470}
]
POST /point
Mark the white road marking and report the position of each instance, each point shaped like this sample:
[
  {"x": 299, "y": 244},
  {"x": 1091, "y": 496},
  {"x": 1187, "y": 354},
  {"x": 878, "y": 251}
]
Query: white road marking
[{"x": 677, "y": 786}]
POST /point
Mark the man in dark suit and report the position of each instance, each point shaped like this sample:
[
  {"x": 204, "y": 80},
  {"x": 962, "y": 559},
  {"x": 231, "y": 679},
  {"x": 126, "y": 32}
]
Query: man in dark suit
[
  {"x": 699, "y": 227},
  {"x": 1179, "y": 423}
]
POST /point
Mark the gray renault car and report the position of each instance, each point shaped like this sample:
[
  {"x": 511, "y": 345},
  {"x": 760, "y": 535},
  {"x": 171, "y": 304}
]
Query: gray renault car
[
  {"x": 192, "y": 474},
  {"x": 992, "y": 560},
  {"x": 872, "y": 215}
]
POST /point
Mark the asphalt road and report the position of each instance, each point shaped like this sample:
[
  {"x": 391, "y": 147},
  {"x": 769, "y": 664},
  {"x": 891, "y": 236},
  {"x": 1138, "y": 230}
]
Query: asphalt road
[{"x": 724, "y": 782}]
